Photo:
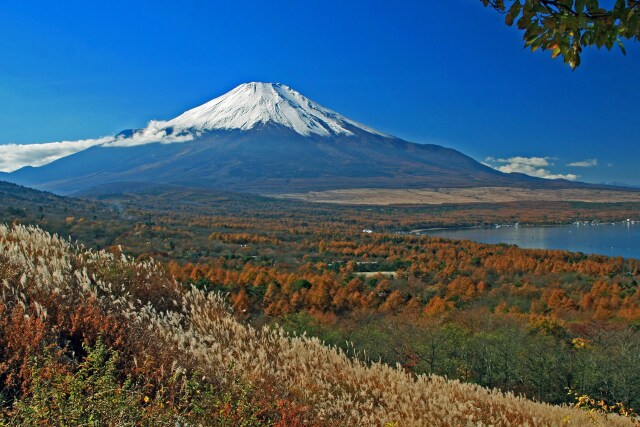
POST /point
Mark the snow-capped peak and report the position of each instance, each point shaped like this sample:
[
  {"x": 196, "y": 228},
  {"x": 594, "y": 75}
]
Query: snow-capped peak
[{"x": 252, "y": 104}]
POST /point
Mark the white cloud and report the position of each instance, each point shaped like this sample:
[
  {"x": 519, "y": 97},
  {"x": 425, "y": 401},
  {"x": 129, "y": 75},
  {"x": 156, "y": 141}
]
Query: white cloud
[
  {"x": 16, "y": 156},
  {"x": 529, "y": 161},
  {"x": 156, "y": 131},
  {"x": 584, "y": 163},
  {"x": 533, "y": 166}
]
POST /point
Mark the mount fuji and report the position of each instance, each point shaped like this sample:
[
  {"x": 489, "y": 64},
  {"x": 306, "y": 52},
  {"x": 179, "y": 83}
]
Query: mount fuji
[{"x": 265, "y": 138}]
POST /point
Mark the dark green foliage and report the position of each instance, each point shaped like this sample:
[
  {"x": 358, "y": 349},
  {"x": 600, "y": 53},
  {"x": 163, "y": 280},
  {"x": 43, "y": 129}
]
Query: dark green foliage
[
  {"x": 92, "y": 396},
  {"x": 95, "y": 393},
  {"x": 300, "y": 284},
  {"x": 565, "y": 27}
]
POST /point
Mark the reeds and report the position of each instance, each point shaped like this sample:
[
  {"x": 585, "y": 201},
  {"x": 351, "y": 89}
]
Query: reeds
[{"x": 199, "y": 333}]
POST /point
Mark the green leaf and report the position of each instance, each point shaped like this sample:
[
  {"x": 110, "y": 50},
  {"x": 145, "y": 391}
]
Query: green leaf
[
  {"x": 621, "y": 46},
  {"x": 571, "y": 25},
  {"x": 574, "y": 62},
  {"x": 508, "y": 19},
  {"x": 531, "y": 40},
  {"x": 536, "y": 44},
  {"x": 515, "y": 8}
]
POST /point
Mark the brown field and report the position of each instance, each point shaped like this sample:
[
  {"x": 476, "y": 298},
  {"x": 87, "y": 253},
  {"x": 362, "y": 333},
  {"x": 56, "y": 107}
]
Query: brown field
[{"x": 429, "y": 196}]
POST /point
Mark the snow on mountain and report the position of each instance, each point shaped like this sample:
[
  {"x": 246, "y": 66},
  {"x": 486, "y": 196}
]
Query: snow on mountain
[
  {"x": 253, "y": 104},
  {"x": 247, "y": 106}
]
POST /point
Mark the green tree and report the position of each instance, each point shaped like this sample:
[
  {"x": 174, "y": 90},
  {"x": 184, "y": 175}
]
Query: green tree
[{"x": 564, "y": 27}]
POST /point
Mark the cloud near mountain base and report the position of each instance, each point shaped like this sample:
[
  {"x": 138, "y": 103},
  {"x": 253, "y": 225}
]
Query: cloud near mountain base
[{"x": 16, "y": 156}]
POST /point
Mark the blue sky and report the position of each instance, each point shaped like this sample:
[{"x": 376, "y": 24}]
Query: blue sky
[{"x": 446, "y": 72}]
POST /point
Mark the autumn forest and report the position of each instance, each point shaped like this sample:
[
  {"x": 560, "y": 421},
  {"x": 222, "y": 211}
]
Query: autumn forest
[{"x": 553, "y": 326}]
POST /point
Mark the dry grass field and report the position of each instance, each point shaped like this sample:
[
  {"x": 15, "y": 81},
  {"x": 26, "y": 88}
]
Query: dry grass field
[
  {"x": 430, "y": 196},
  {"x": 166, "y": 333}
]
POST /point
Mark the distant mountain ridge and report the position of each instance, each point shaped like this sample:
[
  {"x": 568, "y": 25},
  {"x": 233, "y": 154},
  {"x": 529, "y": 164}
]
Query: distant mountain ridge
[{"x": 266, "y": 138}]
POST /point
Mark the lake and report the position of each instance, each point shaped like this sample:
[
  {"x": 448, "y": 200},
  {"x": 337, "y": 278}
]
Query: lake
[{"x": 620, "y": 239}]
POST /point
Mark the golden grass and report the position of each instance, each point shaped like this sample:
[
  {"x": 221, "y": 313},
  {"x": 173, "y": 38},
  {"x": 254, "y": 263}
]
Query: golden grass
[{"x": 338, "y": 390}]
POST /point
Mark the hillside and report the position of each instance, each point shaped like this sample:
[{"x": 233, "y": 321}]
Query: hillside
[
  {"x": 86, "y": 220},
  {"x": 136, "y": 348},
  {"x": 450, "y": 308}
]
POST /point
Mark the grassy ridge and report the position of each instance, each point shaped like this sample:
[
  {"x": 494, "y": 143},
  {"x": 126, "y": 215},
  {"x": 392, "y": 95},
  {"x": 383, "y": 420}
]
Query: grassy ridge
[
  {"x": 118, "y": 329},
  {"x": 493, "y": 315}
]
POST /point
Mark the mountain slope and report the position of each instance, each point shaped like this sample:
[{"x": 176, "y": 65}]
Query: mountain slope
[{"x": 268, "y": 138}]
